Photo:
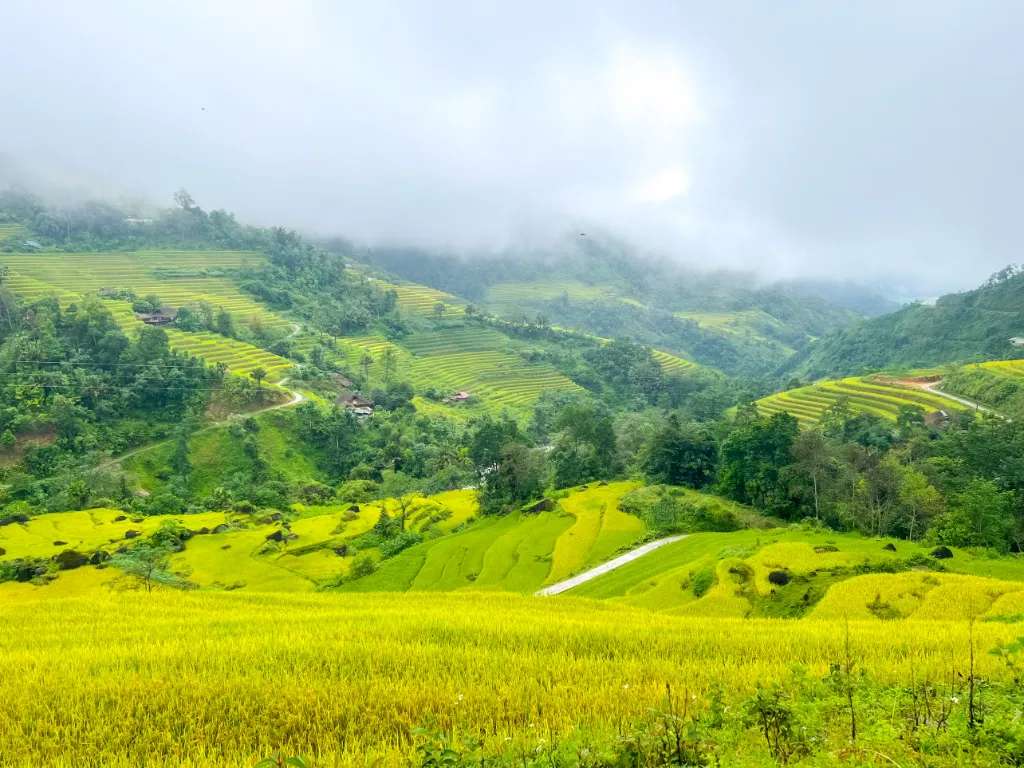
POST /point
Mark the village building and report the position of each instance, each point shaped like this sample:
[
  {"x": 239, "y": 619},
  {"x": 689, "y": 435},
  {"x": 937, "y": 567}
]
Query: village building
[
  {"x": 160, "y": 317},
  {"x": 356, "y": 404}
]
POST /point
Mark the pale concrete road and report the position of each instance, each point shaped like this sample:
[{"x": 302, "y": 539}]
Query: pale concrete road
[{"x": 611, "y": 565}]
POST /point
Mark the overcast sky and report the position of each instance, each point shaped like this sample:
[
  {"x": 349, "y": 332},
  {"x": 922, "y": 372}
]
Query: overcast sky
[{"x": 872, "y": 140}]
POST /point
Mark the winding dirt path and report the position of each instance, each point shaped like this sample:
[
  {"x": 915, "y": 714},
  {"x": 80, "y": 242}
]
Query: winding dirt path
[
  {"x": 608, "y": 567},
  {"x": 296, "y": 398}
]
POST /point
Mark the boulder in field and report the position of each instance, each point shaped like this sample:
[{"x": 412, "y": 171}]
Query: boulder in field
[
  {"x": 120, "y": 518},
  {"x": 69, "y": 559},
  {"x": 890, "y": 547},
  {"x": 59, "y": 543},
  {"x": 99, "y": 557},
  {"x": 942, "y": 553},
  {"x": 544, "y": 505},
  {"x": 222, "y": 528},
  {"x": 132, "y": 534},
  {"x": 778, "y": 578}
]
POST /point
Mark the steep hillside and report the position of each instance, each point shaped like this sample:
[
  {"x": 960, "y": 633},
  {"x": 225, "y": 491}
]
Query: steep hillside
[
  {"x": 598, "y": 285},
  {"x": 962, "y": 327},
  {"x": 877, "y": 395}
]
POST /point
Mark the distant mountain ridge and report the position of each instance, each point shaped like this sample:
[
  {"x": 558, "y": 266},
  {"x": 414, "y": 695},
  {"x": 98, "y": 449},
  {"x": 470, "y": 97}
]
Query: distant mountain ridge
[
  {"x": 597, "y": 284},
  {"x": 962, "y": 327}
]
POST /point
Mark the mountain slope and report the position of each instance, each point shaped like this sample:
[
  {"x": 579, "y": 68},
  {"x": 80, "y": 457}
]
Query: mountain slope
[
  {"x": 961, "y": 327},
  {"x": 596, "y": 285}
]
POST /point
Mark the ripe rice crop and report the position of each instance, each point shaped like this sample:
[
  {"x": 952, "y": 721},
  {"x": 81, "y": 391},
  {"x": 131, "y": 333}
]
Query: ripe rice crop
[
  {"x": 864, "y": 395},
  {"x": 471, "y": 358},
  {"x": 201, "y": 679},
  {"x": 179, "y": 278}
]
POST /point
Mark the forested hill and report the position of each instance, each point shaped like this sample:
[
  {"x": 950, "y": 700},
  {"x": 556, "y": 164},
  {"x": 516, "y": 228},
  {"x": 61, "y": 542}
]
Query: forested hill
[
  {"x": 959, "y": 327},
  {"x": 596, "y": 284}
]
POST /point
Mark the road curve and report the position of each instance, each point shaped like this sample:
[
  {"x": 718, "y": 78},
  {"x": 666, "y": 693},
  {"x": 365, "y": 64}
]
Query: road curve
[
  {"x": 933, "y": 387},
  {"x": 611, "y": 565}
]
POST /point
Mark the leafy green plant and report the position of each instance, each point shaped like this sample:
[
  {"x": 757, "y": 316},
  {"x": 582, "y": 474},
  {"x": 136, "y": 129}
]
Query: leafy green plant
[{"x": 280, "y": 760}]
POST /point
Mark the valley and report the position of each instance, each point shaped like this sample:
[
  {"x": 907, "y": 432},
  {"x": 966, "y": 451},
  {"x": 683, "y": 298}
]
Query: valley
[{"x": 294, "y": 500}]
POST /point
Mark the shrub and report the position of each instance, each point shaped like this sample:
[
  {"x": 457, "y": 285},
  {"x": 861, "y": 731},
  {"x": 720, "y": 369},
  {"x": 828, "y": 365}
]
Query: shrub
[
  {"x": 702, "y": 581},
  {"x": 362, "y": 565}
]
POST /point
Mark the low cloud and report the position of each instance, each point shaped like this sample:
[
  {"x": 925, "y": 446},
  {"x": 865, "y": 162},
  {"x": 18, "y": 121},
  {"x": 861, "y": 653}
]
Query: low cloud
[{"x": 863, "y": 141}]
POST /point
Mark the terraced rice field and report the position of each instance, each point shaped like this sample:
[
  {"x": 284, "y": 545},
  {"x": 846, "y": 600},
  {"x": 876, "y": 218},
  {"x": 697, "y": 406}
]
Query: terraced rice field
[
  {"x": 421, "y": 300},
  {"x": 476, "y": 359},
  {"x": 507, "y": 298},
  {"x": 238, "y": 558},
  {"x": 240, "y": 357},
  {"x": 11, "y": 231},
  {"x": 864, "y": 395},
  {"x": 1012, "y": 368},
  {"x": 177, "y": 277},
  {"x": 517, "y": 553},
  {"x": 670, "y": 363},
  {"x": 739, "y": 564}
]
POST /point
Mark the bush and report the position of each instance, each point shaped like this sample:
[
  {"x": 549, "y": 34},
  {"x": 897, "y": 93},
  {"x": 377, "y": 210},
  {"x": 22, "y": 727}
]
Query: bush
[
  {"x": 396, "y": 544},
  {"x": 702, "y": 581},
  {"x": 362, "y": 565}
]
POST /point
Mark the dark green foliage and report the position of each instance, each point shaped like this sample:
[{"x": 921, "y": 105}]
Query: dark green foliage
[
  {"x": 702, "y": 581},
  {"x": 585, "y": 449},
  {"x": 752, "y": 459},
  {"x": 517, "y": 477},
  {"x": 960, "y": 327},
  {"x": 679, "y": 455},
  {"x": 669, "y": 510},
  {"x": 34, "y": 569}
]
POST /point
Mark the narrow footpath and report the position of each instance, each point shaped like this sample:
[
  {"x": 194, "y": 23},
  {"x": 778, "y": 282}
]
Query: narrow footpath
[{"x": 611, "y": 565}]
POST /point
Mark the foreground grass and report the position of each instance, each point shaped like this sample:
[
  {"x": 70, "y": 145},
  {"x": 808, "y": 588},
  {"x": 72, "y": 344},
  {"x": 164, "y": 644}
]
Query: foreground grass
[{"x": 198, "y": 679}]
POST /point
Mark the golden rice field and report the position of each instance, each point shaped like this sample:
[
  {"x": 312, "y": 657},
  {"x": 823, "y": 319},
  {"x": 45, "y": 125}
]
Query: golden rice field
[
  {"x": 203, "y": 679},
  {"x": 473, "y": 358},
  {"x": 510, "y": 297},
  {"x": 1012, "y": 368},
  {"x": 517, "y": 552},
  {"x": 177, "y": 277},
  {"x": 670, "y": 363},
  {"x": 238, "y": 558},
  {"x": 864, "y": 394},
  {"x": 419, "y": 299}
]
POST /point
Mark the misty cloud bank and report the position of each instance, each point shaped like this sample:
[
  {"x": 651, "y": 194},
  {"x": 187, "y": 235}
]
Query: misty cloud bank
[{"x": 870, "y": 141}]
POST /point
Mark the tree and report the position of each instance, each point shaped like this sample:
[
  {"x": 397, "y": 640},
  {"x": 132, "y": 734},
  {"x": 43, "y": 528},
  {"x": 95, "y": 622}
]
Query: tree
[
  {"x": 517, "y": 478},
  {"x": 388, "y": 361},
  {"x": 439, "y": 310},
  {"x": 258, "y": 375},
  {"x": 813, "y": 461},
  {"x": 920, "y": 502},
  {"x": 753, "y": 456},
  {"x": 225, "y": 324},
  {"x": 150, "y": 564},
  {"x": 586, "y": 448},
  {"x": 980, "y": 515},
  {"x": 184, "y": 200},
  {"x": 365, "y": 362},
  {"x": 681, "y": 456}
]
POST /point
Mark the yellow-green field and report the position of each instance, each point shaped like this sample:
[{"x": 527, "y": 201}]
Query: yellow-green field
[
  {"x": 203, "y": 679},
  {"x": 517, "y": 552},
  {"x": 510, "y": 297},
  {"x": 671, "y": 363},
  {"x": 177, "y": 277},
  {"x": 1012, "y": 368},
  {"x": 238, "y": 558},
  {"x": 472, "y": 358},
  {"x": 11, "y": 232},
  {"x": 866, "y": 394}
]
